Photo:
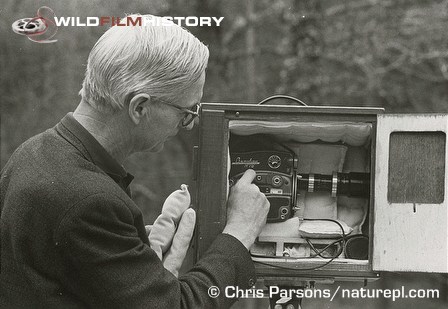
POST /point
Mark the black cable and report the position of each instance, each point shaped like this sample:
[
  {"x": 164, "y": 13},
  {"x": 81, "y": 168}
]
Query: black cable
[
  {"x": 319, "y": 253},
  {"x": 282, "y": 96},
  {"x": 343, "y": 238}
]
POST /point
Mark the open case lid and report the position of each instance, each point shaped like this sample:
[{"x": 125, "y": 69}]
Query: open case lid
[{"x": 411, "y": 188}]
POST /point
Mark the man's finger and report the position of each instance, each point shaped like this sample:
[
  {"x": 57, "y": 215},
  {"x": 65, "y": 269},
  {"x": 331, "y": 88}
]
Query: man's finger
[
  {"x": 248, "y": 176},
  {"x": 181, "y": 242}
]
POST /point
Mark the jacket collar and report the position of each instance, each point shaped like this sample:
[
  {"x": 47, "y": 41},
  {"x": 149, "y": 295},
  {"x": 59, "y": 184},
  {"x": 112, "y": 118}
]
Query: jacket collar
[{"x": 92, "y": 150}]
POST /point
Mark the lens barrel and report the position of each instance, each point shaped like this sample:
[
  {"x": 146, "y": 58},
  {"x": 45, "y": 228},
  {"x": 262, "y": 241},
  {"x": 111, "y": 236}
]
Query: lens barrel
[{"x": 348, "y": 184}]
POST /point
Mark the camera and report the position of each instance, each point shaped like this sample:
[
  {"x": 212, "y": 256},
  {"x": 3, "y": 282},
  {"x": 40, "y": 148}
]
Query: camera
[{"x": 277, "y": 177}]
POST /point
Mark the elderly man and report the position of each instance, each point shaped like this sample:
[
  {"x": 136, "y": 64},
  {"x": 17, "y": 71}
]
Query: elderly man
[{"x": 71, "y": 237}]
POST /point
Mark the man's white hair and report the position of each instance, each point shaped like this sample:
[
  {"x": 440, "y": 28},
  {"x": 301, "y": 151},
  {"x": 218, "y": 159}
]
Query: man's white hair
[{"x": 162, "y": 61}]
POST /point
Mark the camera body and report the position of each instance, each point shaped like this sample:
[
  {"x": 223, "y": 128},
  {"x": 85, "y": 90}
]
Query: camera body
[
  {"x": 275, "y": 178},
  {"x": 384, "y": 175}
]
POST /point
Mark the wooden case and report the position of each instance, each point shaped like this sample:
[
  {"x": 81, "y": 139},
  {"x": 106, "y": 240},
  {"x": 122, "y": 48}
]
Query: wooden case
[{"x": 407, "y": 213}]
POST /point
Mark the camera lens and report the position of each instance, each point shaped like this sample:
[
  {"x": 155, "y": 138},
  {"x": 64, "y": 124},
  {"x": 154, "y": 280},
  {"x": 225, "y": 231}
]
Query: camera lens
[
  {"x": 349, "y": 184},
  {"x": 354, "y": 184}
]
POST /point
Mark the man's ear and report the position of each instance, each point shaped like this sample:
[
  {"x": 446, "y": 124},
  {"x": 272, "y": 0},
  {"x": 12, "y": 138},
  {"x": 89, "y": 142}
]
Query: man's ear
[{"x": 139, "y": 107}]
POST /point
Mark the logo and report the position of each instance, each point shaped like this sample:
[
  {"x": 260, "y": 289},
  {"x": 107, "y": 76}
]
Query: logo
[
  {"x": 250, "y": 163},
  {"x": 39, "y": 29},
  {"x": 43, "y": 27},
  {"x": 134, "y": 20}
]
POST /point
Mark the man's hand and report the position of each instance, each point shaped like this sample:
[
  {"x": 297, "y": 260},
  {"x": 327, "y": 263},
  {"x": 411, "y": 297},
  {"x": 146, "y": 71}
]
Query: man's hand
[
  {"x": 175, "y": 256},
  {"x": 169, "y": 243},
  {"x": 247, "y": 210}
]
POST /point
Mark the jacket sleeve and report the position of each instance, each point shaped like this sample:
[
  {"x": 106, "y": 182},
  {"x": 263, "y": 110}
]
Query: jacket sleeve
[{"x": 106, "y": 264}]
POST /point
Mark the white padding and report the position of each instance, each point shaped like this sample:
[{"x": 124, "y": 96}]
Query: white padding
[
  {"x": 305, "y": 139},
  {"x": 289, "y": 228},
  {"x": 318, "y": 159},
  {"x": 351, "y": 133},
  {"x": 353, "y": 210},
  {"x": 323, "y": 229}
]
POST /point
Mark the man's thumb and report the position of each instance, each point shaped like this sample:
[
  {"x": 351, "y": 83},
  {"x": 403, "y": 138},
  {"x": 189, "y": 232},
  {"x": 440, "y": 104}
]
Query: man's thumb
[{"x": 175, "y": 256}]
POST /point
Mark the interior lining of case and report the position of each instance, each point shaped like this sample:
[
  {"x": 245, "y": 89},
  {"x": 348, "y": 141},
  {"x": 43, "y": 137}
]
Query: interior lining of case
[{"x": 347, "y": 144}]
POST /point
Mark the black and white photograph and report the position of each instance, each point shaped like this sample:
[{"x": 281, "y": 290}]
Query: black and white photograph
[{"x": 243, "y": 154}]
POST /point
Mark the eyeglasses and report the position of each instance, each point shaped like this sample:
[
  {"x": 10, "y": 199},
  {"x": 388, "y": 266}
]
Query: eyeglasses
[{"x": 190, "y": 113}]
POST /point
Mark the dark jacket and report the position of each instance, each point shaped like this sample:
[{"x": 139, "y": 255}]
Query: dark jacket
[{"x": 71, "y": 237}]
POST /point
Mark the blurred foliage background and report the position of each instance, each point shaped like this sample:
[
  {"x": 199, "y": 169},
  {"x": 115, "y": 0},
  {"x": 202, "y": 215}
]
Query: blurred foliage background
[{"x": 384, "y": 53}]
